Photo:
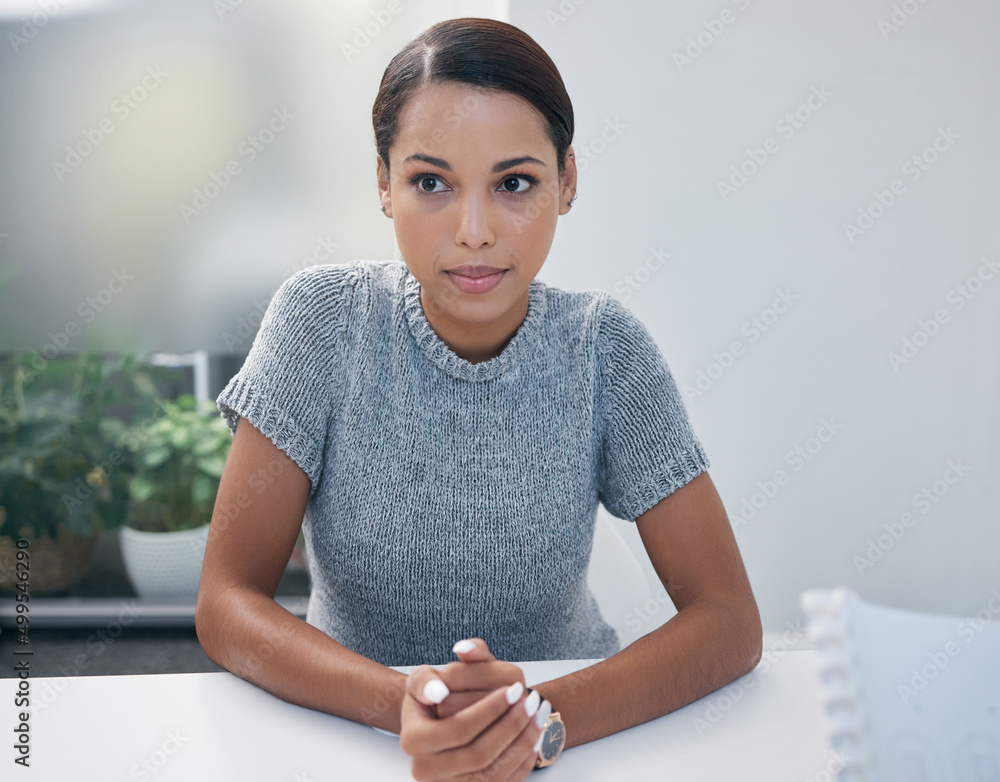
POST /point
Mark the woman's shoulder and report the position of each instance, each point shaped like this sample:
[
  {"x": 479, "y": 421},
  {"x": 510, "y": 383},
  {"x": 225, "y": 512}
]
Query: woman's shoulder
[
  {"x": 333, "y": 286},
  {"x": 322, "y": 298},
  {"x": 349, "y": 276},
  {"x": 325, "y": 277},
  {"x": 590, "y": 313}
]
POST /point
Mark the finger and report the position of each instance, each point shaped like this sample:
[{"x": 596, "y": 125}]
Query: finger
[
  {"x": 519, "y": 759},
  {"x": 517, "y": 772},
  {"x": 480, "y": 676},
  {"x": 473, "y": 650},
  {"x": 457, "y": 701},
  {"x": 424, "y": 684},
  {"x": 423, "y": 737},
  {"x": 497, "y": 751},
  {"x": 424, "y": 690}
]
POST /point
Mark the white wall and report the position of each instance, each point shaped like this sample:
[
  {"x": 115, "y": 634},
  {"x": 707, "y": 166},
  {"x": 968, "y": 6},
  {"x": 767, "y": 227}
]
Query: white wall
[
  {"x": 306, "y": 195},
  {"x": 880, "y": 99}
]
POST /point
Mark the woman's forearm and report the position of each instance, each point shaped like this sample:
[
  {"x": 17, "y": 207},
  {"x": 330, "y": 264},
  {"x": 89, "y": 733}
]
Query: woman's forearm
[
  {"x": 704, "y": 647},
  {"x": 249, "y": 634}
]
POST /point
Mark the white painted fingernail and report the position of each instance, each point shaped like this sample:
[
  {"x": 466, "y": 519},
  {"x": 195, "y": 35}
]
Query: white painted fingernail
[
  {"x": 514, "y": 692},
  {"x": 531, "y": 704},
  {"x": 463, "y": 646},
  {"x": 436, "y": 690},
  {"x": 538, "y": 744},
  {"x": 543, "y": 713}
]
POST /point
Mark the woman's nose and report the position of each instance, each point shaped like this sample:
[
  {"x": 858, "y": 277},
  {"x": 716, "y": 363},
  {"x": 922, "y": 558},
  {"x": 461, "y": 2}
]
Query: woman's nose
[{"x": 475, "y": 221}]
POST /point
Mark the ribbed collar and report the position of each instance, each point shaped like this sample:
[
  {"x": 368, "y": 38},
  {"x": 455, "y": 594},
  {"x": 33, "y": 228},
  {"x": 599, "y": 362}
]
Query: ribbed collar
[{"x": 443, "y": 357}]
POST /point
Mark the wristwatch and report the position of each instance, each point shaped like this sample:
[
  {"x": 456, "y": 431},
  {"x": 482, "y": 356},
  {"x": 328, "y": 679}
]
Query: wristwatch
[{"x": 552, "y": 741}]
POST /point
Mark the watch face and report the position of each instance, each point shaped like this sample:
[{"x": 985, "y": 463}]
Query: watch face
[{"x": 553, "y": 741}]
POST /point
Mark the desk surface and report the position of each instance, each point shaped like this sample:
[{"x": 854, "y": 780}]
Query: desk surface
[{"x": 215, "y": 726}]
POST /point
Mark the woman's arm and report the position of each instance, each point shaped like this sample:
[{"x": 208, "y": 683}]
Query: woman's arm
[
  {"x": 715, "y": 637},
  {"x": 254, "y": 527}
]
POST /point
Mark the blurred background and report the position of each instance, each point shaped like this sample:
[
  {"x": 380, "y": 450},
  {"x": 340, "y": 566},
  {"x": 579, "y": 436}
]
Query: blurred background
[{"x": 799, "y": 200}]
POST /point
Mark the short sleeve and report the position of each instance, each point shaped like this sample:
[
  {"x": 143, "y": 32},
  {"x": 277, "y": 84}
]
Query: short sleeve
[
  {"x": 647, "y": 447},
  {"x": 287, "y": 385}
]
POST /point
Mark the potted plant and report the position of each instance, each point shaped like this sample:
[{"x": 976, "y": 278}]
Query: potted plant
[
  {"x": 177, "y": 466},
  {"x": 63, "y": 472}
]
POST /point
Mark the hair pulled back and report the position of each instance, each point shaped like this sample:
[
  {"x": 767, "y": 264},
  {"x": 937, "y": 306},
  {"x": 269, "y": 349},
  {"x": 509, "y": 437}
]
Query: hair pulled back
[{"x": 483, "y": 53}]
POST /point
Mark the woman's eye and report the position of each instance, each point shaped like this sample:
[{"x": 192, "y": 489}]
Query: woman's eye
[
  {"x": 429, "y": 184},
  {"x": 516, "y": 184}
]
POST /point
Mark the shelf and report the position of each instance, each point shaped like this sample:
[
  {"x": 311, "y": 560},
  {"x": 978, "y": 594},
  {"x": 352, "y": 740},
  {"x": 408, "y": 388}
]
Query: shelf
[
  {"x": 104, "y": 597},
  {"x": 132, "y": 612}
]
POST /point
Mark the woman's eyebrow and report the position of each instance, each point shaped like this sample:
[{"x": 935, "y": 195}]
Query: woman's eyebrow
[{"x": 503, "y": 165}]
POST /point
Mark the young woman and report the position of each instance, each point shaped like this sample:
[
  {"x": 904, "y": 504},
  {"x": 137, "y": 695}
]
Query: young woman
[{"x": 442, "y": 429}]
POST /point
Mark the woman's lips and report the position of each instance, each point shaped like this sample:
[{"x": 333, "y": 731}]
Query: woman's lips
[
  {"x": 478, "y": 284},
  {"x": 476, "y": 270}
]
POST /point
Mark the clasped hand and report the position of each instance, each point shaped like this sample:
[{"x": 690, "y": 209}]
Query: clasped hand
[{"x": 471, "y": 720}]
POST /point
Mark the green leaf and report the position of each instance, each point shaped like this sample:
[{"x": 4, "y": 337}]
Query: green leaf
[
  {"x": 111, "y": 366},
  {"x": 156, "y": 456},
  {"x": 141, "y": 489},
  {"x": 212, "y": 465},
  {"x": 186, "y": 402},
  {"x": 144, "y": 384},
  {"x": 203, "y": 489},
  {"x": 205, "y": 446}
]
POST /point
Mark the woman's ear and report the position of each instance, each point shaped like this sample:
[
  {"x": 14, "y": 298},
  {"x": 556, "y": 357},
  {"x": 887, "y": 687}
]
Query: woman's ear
[
  {"x": 382, "y": 179},
  {"x": 567, "y": 185}
]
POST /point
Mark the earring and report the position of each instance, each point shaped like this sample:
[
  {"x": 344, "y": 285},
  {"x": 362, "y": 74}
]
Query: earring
[
  {"x": 574, "y": 194},
  {"x": 382, "y": 207}
]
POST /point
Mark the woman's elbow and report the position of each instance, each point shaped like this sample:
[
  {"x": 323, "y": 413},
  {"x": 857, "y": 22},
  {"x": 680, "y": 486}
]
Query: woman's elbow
[
  {"x": 751, "y": 635},
  {"x": 206, "y": 623}
]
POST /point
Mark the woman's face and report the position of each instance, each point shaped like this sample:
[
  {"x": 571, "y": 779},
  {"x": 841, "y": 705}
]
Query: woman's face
[{"x": 474, "y": 181}]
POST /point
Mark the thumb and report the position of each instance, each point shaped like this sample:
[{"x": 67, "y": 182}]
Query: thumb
[
  {"x": 473, "y": 650},
  {"x": 425, "y": 686}
]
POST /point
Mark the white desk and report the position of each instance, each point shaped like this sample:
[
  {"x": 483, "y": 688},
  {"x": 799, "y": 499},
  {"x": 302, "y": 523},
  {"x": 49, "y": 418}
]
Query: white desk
[{"x": 218, "y": 727}]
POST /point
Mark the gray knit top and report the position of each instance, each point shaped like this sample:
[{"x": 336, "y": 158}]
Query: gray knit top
[{"x": 449, "y": 499}]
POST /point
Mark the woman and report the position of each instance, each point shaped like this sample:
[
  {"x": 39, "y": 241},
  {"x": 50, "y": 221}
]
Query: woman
[{"x": 442, "y": 428}]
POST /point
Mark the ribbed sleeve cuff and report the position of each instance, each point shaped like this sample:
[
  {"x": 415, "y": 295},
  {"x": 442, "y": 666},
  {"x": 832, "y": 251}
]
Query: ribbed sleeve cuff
[
  {"x": 679, "y": 471},
  {"x": 241, "y": 399}
]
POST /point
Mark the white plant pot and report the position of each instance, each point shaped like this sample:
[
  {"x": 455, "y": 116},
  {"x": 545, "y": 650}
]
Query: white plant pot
[{"x": 164, "y": 564}]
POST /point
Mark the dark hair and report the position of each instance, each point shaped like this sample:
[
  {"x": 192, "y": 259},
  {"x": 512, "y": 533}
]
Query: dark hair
[{"x": 485, "y": 53}]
